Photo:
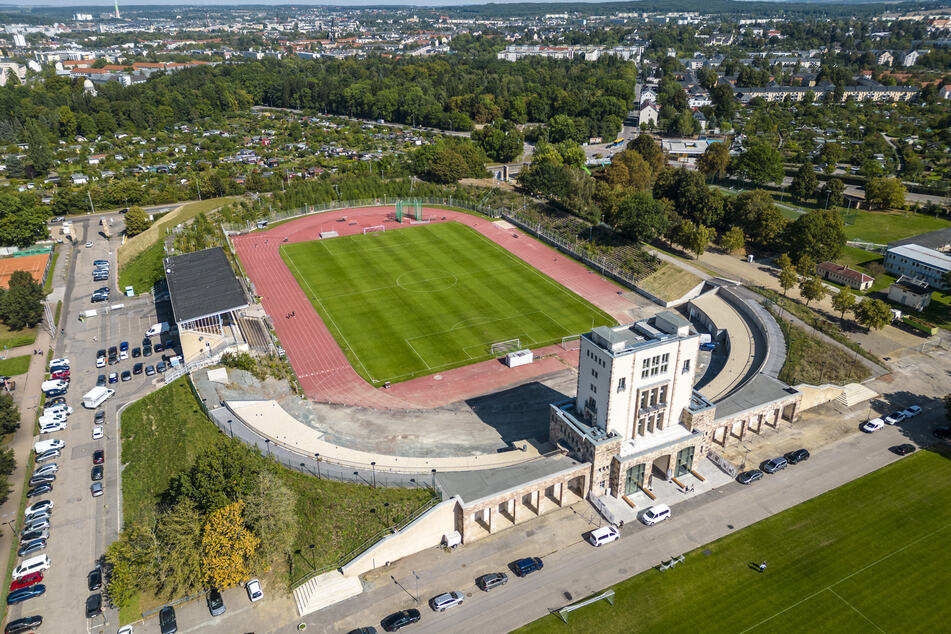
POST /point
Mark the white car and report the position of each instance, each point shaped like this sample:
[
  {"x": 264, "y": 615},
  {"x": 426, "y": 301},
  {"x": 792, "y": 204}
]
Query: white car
[
  {"x": 56, "y": 362},
  {"x": 603, "y": 535},
  {"x": 100, "y": 362},
  {"x": 47, "y": 469},
  {"x": 446, "y": 600},
  {"x": 89, "y": 245},
  {"x": 912, "y": 411},
  {"x": 125, "y": 629},
  {"x": 97, "y": 432},
  {"x": 123, "y": 355},
  {"x": 53, "y": 427},
  {"x": 872, "y": 425},
  {"x": 254, "y": 590},
  {"x": 62, "y": 408},
  {"x": 47, "y": 419},
  {"x": 39, "y": 506},
  {"x": 655, "y": 514}
]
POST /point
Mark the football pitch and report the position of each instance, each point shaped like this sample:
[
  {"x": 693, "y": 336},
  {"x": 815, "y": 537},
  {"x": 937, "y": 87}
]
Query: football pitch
[
  {"x": 870, "y": 556},
  {"x": 418, "y": 300}
]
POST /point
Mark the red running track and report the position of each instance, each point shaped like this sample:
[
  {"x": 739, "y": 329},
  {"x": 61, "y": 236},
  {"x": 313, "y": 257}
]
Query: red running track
[{"x": 322, "y": 368}]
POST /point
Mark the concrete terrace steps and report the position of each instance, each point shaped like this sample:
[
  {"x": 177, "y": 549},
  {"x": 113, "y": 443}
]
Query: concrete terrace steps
[
  {"x": 855, "y": 393},
  {"x": 324, "y": 590}
]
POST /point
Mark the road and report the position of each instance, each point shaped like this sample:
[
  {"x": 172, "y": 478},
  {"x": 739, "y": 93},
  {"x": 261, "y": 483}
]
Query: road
[{"x": 82, "y": 526}]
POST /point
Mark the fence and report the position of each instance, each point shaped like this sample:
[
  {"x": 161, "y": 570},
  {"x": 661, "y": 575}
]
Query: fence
[{"x": 338, "y": 205}]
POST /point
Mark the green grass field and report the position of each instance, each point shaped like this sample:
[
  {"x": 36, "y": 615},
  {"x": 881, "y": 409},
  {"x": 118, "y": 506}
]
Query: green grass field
[
  {"x": 13, "y": 366},
  {"x": 414, "y": 301},
  {"x": 870, "y": 556}
]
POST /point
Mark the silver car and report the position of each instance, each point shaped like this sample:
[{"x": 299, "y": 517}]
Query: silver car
[{"x": 442, "y": 602}]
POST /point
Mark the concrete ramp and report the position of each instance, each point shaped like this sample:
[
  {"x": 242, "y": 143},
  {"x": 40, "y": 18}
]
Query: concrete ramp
[
  {"x": 325, "y": 590},
  {"x": 855, "y": 393}
]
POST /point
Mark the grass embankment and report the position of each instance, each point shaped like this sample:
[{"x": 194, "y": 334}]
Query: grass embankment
[
  {"x": 811, "y": 361},
  {"x": 144, "y": 270},
  {"x": 15, "y": 365},
  {"x": 669, "y": 282},
  {"x": 48, "y": 284},
  {"x": 882, "y": 227},
  {"x": 812, "y": 318},
  {"x": 412, "y": 302},
  {"x": 829, "y": 560},
  {"x": 164, "y": 432}
]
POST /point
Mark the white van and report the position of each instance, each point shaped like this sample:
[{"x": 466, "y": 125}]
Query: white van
[
  {"x": 96, "y": 396},
  {"x": 31, "y": 565},
  {"x": 157, "y": 329},
  {"x": 603, "y": 535},
  {"x": 46, "y": 445},
  {"x": 61, "y": 408},
  {"x": 655, "y": 514},
  {"x": 51, "y": 418},
  {"x": 55, "y": 384}
]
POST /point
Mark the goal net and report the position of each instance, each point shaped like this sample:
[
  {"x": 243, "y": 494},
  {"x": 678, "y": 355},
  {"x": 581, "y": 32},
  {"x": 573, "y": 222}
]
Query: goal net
[
  {"x": 373, "y": 229},
  {"x": 501, "y": 348},
  {"x": 572, "y": 342}
]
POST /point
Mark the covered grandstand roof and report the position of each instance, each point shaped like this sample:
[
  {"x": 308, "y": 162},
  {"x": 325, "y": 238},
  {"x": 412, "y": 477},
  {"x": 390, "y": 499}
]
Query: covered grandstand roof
[{"x": 202, "y": 284}]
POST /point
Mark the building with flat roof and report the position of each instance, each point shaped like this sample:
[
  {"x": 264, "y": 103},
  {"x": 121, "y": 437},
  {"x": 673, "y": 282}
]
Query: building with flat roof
[
  {"x": 206, "y": 301},
  {"x": 918, "y": 262},
  {"x": 910, "y": 292}
]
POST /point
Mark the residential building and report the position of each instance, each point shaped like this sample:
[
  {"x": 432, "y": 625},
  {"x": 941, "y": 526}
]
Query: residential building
[
  {"x": 918, "y": 262},
  {"x": 649, "y": 114},
  {"x": 885, "y": 59},
  {"x": 844, "y": 275},
  {"x": 12, "y": 69},
  {"x": 910, "y": 59},
  {"x": 910, "y": 292}
]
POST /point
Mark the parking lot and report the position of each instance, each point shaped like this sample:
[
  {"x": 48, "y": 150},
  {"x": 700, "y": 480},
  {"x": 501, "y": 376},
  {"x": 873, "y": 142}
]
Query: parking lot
[{"x": 82, "y": 526}]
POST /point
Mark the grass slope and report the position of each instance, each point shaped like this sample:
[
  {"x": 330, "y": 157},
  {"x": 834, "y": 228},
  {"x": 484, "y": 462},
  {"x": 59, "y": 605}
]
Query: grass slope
[
  {"x": 16, "y": 338},
  {"x": 15, "y": 365},
  {"x": 144, "y": 270},
  {"x": 809, "y": 360},
  {"x": 413, "y": 301},
  {"x": 869, "y": 556}
]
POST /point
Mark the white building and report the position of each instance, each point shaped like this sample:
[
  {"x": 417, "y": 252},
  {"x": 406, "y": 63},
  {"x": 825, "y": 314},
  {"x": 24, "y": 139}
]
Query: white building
[{"x": 11, "y": 69}]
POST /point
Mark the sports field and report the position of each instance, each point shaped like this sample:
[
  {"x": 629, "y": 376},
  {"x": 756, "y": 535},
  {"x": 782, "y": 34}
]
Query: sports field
[
  {"x": 417, "y": 300},
  {"x": 871, "y": 556}
]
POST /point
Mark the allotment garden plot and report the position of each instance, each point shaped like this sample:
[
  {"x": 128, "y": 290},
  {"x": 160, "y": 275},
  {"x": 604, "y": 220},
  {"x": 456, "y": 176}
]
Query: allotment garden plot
[{"x": 413, "y": 301}]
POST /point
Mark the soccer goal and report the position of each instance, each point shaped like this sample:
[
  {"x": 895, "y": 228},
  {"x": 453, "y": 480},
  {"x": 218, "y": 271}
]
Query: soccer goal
[
  {"x": 572, "y": 342},
  {"x": 373, "y": 229},
  {"x": 412, "y": 209},
  {"x": 502, "y": 348}
]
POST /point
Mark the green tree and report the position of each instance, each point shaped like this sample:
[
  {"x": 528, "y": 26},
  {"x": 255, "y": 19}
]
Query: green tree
[
  {"x": 67, "y": 122},
  {"x": 646, "y": 146},
  {"x": 819, "y": 234},
  {"x": 805, "y": 265},
  {"x": 830, "y": 154},
  {"x": 136, "y": 221},
  {"x": 501, "y": 141},
  {"x": 714, "y": 160},
  {"x": 734, "y": 240},
  {"x": 783, "y": 261},
  {"x": 885, "y": 193},
  {"x": 227, "y": 547},
  {"x": 692, "y": 237},
  {"x": 761, "y": 163},
  {"x": 270, "y": 511},
  {"x": 812, "y": 289},
  {"x": 9, "y": 414},
  {"x": 761, "y": 220},
  {"x": 844, "y": 301},
  {"x": 833, "y": 191},
  {"x": 133, "y": 560},
  {"x": 787, "y": 278},
  {"x": 873, "y": 314},
  {"x": 178, "y": 534},
  {"x": 38, "y": 151},
  {"x": 21, "y": 306},
  {"x": 804, "y": 183},
  {"x": 220, "y": 475},
  {"x": 641, "y": 217}
]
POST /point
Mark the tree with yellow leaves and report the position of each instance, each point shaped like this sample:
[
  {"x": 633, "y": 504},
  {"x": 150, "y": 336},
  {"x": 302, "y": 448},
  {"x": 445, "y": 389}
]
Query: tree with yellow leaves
[{"x": 227, "y": 546}]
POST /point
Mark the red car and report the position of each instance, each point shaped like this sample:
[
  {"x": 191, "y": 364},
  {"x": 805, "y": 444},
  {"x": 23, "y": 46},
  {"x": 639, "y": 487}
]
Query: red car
[
  {"x": 62, "y": 374},
  {"x": 27, "y": 581}
]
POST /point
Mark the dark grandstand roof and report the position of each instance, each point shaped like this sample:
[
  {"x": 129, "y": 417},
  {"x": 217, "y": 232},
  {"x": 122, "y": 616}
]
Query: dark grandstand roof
[
  {"x": 938, "y": 240},
  {"x": 202, "y": 284}
]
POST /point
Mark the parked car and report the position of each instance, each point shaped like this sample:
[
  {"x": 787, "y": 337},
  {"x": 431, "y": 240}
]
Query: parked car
[
  {"x": 43, "y": 505},
  {"x": 137, "y": 368},
  {"x": 136, "y": 352},
  {"x": 254, "y": 590},
  {"x": 872, "y": 425},
  {"x": 40, "y": 533},
  {"x": 149, "y": 370},
  {"x": 895, "y": 417},
  {"x": 26, "y": 624},
  {"x": 160, "y": 366},
  {"x": 51, "y": 454},
  {"x": 99, "y": 418},
  {"x": 94, "y": 579},
  {"x": 113, "y": 377},
  {"x": 774, "y": 464},
  {"x": 157, "y": 346},
  {"x": 655, "y": 514},
  {"x": 39, "y": 490},
  {"x": 795, "y": 457},
  {"x": 167, "y": 623},
  {"x": 96, "y": 489},
  {"x": 942, "y": 432},
  {"x": 146, "y": 351},
  {"x": 98, "y": 456},
  {"x": 37, "y": 524},
  {"x": 26, "y": 581},
  {"x": 126, "y": 376},
  {"x": 492, "y": 580},
  {"x": 47, "y": 468},
  {"x": 527, "y": 566},
  {"x": 30, "y": 547},
  {"x": 749, "y": 477},
  {"x": 912, "y": 411},
  {"x": 59, "y": 400},
  {"x": 903, "y": 450},
  {"x": 51, "y": 428},
  {"x": 216, "y": 604},
  {"x": 123, "y": 346},
  {"x": 123, "y": 355},
  {"x": 400, "y": 619},
  {"x": 56, "y": 392},
  {"x": 96, "y": 473},
  {"x": 62, "y": 374},
  {"x": 100, "y": 362},
  {"x": 709, "y": 346},
  {"x": 446, "y": 600},
  {"x": 603, "y": 535},
  {"x": 97, "y": 432},
  {"x": 21, "y": 595},
  {"x": 93, "y": 605}
]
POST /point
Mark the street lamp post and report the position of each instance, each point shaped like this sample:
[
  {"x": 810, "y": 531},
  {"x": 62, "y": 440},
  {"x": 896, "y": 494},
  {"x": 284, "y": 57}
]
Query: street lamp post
[
  {"x": 417, "y": 582},
  {"x": 267, "y": 443},
  {"x": 317, "y": 460},
  {"x": 373, "y": 471},
  {"x": 230, "y": 428},
  {"x": 434, "y": 479}
]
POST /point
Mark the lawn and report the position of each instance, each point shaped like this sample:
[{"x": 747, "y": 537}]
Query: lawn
[
  {"x": 882, "y": 227},
  {"x": 144, "y": 270},
  {"x": 16, "y": 338},
  {"x": 15, "y": 365},
  {"x": 410, "y": 302},
  {"x": 869, "y": 556}
]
